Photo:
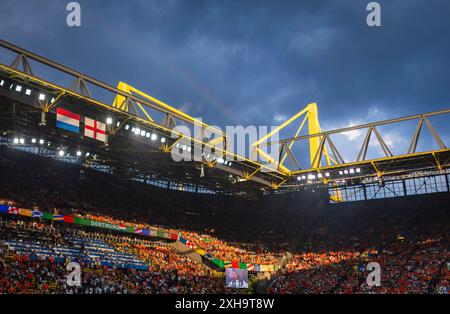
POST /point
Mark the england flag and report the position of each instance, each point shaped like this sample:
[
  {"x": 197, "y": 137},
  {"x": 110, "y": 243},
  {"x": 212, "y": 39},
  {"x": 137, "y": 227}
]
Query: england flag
[{"x": 95, "y": 129}]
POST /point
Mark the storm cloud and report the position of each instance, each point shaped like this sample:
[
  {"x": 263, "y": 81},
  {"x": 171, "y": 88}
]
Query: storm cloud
[{"x": 254, "y": 62}]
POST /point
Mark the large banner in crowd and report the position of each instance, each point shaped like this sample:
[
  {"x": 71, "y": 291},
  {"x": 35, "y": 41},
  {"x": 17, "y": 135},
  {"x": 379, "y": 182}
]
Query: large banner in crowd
[{"x": 152, "y": 232}]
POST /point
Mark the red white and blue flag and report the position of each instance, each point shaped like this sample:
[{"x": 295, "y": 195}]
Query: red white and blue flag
[
  {"x": 138, "y": 230},
  {"x": 95, "y": 129},
  {"x": 67, "y": 120}
]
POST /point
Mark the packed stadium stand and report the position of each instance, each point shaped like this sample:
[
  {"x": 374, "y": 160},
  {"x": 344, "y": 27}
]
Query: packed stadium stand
[{"x": 316, "y": 247}]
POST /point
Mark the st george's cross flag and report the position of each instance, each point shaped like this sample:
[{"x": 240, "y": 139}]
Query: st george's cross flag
[{"x": 95, "y": 129}]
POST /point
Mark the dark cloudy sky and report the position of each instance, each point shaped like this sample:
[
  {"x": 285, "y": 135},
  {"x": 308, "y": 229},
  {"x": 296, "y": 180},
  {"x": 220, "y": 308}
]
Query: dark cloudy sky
[{"x": 255, "y": 62}]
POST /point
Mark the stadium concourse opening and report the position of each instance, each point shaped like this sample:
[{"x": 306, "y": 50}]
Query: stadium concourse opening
[{"x": 87, "y": 182}]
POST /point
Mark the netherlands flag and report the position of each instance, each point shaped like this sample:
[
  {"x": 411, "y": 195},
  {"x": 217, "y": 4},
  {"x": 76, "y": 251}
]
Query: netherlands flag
[{"x": 67, "y": 120}]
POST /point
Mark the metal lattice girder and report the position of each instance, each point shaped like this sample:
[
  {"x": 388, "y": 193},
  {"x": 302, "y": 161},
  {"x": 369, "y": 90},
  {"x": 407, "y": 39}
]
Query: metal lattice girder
[
  {"x": 435, "y": 134},
  {"x": 384, "y": 147},
  {"x": 336, "y": 154},
  {"x": 21, "y": 59},
  {"x": 318, "y": 155},
  {"x": 129, "y": 99},
  {"x": 415, "y": 139},
  {"x": 372, "y": 128},
  {"x": 363, "y": 151},
  {"x": 134, "y": 100},
  {"x": 311, "y": 115},
  {"x": 80, "y": 86}
]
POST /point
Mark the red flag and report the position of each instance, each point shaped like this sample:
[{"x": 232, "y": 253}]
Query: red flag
[{"x": 68, "y": 219}]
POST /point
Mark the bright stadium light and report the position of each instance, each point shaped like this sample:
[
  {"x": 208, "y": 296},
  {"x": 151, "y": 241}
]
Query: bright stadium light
[
  {"x": 358, "y": 170},
  {"x": 78, "y": 153},
  {"x": 22, "y": 141},
  {"x": 18, "y": 88},
  {"x": 303, "y": 177},
  {"x": 2, "y": 82},
  {"x": 189, "y": 149},
  {"x": 346, "y": 171},
  {"x": 340, "y": 172},
  {"x": 33, "y": 140},
  {"x": 41, "y": 96},
  {"x": 41, "y": 142},
  {"x": 352, "y": 170},
  {"x": 87, "y": 154},
  {"x": 147, "y": 134},
  {"x": 327, "y": 174},
  {"x": 163, "y": 139},
  {"x": 61, "y": 153},
  {"x": 299, "y": 178},
  {"x": 16, "y": 140},
  {"x": 109, "y": 120},
  {"x": 137, "y": 131},
  {"x": 319, "y": 175},
  {"x": 143, "y": 133},
  {"x": 28, "y": 92},
  {"x": 154, "y": 137},
  {"x": 53, "y": 100},
  {"x": 311, "y": 177}
]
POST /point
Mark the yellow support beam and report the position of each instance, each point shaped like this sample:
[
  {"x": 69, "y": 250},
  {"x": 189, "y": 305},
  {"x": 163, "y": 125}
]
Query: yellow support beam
[
  {"x": 114, "y": 109},
  {"x": 311, "y": 115},
  {"x": 120, "y": 103}
]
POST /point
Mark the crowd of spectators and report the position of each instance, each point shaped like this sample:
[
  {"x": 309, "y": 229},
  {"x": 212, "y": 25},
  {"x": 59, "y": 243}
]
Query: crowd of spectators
[
  {"x": 168, "y": 272},
  {"x": 327, "y": 254}
]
